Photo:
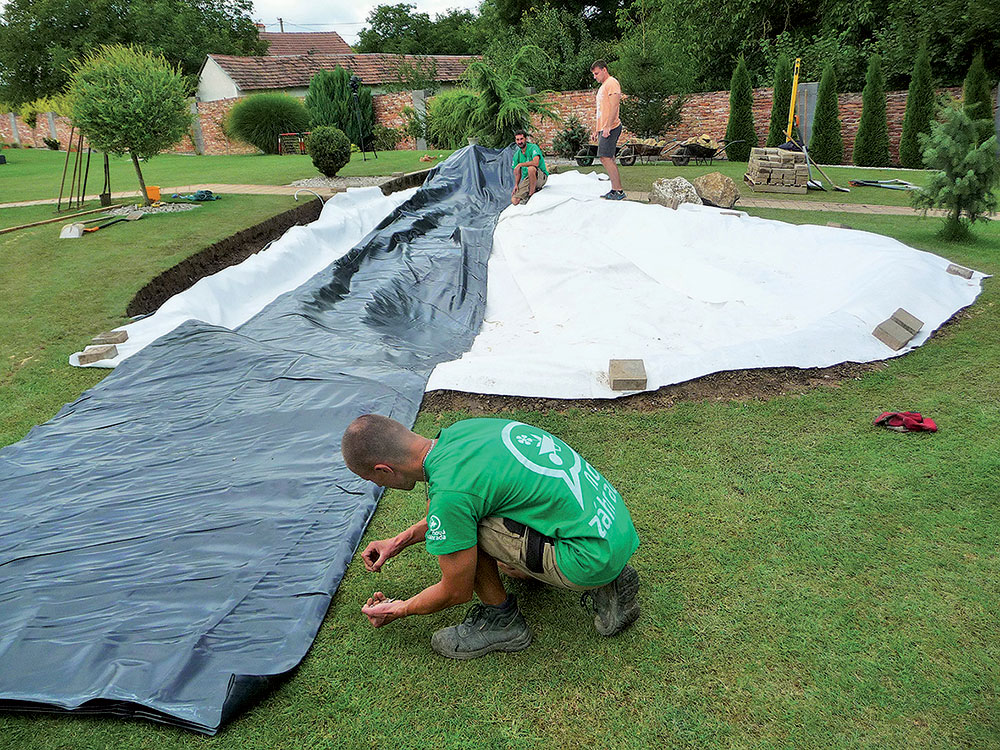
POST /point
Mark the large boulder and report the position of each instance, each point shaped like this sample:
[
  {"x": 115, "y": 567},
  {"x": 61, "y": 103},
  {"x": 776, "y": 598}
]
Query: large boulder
[
  {"x": 715, "y": 189},
  {"x": 673, "y": 192}
]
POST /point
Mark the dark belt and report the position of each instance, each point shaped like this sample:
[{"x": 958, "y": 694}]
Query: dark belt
[{"x": 535, "y": 546}]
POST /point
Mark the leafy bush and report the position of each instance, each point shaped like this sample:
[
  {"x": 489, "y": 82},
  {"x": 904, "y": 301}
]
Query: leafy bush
[
  {"x": 451, "y": 118},
  {"x": 260, "y": 118},
  {"x": 56, "y": 104},
  {"x": 416, "y": 123},
  {"x": 968, "y": 172},
  {"x": 871, "y": 146},
  {"x": 919, "y": 110},
  {"x": 385, "y": 138},
  {"x": 504, "y": 104},
  {"x": 51, "y": 143},
  {"x": 740, "y": 125},
  {"x": 329, "y": 148},
  {"x": 781, "y": 98},
  {"x": 571, "y": 138},
  {"x": 976, "y": 98},
  {"x": 650, "y": 68},
  {"x": 826, "y": 146},
  {"x": 330, "y": 101}
]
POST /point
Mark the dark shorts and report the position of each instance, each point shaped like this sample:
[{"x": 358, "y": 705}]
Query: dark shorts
[{"x": 606, "y": 146}]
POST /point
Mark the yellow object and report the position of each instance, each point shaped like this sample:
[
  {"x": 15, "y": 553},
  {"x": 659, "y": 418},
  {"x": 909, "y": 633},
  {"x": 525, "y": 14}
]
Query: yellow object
[
  {"x": 795, "y": 91},
  {"x": 153, "y": 192}
]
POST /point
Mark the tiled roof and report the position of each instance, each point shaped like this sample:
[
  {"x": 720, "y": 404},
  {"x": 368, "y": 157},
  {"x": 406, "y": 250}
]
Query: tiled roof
[
  {"x": 319, "y": 42},
  {"x": 292, "y": 71}
]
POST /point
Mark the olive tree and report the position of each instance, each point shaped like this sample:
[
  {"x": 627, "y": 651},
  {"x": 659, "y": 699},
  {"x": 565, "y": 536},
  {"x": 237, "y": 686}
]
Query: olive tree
[{"x": 127, "y": 100}]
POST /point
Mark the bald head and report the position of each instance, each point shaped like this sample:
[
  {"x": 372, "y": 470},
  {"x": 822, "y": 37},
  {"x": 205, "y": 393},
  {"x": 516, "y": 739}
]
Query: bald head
[{"x": 384, "y": 451}]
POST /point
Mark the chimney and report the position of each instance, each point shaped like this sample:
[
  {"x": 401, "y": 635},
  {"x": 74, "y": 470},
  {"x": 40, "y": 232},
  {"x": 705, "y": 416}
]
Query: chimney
[{"x": 260, "y": 27}]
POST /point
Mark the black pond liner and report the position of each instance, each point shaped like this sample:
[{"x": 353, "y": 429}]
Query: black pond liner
[{"x": 170, "y": 541}]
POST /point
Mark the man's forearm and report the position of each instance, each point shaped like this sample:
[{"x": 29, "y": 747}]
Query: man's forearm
[
  {"x": 433, "y": 599},
  {"x": 413, "y": 535}
]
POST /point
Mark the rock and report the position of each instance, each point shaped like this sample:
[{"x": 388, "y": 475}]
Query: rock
[
  {"x": 715, "y": 189},
  {"x": 673, "y": 193}
]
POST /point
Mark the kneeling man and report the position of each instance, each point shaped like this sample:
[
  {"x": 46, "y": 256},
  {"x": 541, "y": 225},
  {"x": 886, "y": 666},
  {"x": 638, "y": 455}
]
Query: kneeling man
[
  {"x": 530, "y": 172},
  {"x": 500, "y": 494}
]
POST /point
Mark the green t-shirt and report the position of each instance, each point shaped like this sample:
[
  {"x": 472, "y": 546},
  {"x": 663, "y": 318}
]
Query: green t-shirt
[
  {"x": 495, "y": 467},
  {"x": 531, "y": 150}
]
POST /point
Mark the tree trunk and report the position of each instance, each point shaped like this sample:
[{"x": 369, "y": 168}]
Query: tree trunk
[{"x": 142, "y": 182}]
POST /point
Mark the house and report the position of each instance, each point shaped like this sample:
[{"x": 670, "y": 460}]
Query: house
[
  {"x": 304, "y": 43},
  {"x": 231, "y": 77}
]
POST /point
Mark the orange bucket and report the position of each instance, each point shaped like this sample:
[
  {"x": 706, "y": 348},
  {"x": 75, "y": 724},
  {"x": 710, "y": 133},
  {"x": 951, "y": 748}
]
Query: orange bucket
[{"x": 153, "y": 192}]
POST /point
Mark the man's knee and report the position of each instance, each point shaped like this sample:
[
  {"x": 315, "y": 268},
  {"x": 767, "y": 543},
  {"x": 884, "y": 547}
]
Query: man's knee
[{"x": 532, "y": 171}]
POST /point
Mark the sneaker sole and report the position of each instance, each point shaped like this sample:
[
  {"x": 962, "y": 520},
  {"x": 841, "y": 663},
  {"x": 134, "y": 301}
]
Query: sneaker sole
[
  {"x": 626, "y": 590},
  {"x": 518, "y": 644}
]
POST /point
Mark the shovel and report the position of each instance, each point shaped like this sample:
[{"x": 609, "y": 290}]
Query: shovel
[
  {"x": 132, "y": 216},
  {"x": 71, "y": 232}
]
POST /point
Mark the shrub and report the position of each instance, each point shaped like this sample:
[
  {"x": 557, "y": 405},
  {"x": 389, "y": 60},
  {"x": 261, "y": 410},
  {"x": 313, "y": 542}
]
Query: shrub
[
  {"x": 503, "y": 101},
  {"x": 976, "y": 98},
  {"x": 825, "y": 144},
  {"x": 968, "y": 172},
  {"x": 570, "y": 139},
  {"x": 780, "y": 101},
  {"x": 330, "y": 101},
  {"x": 51, "y": 143},
  {"x": 451, "y": 118},
  {"x": 650, "y": 68},
  {"x": 385, "y": 138},
  {"x": 919, "y": 110},
  {"x": 871, "y": 146},
  {"x": 260, "y": 118},
  {"x": 740, "y": 125},
  {"x": 127, "y": 99},
  {"x": 329, "y": 148},
  {"x": 416, "y": 123}
]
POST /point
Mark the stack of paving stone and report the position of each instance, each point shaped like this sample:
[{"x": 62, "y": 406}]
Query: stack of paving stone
[{"x": 775, "y": 170}]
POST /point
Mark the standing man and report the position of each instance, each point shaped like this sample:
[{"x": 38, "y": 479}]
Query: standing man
[
  {"x": 609, "y": 127},
  {"x": 502, "y": 495},
  {"x": 527, "y": 159}
]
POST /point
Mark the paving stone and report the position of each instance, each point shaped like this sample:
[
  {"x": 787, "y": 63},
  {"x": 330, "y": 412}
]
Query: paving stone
[
  {"x": 110, "y": 337},
  {"x": 965, "y": 273},
  {"x": 892, "y": 334},
  {"x": 97, "y": 353},
  {"x": 838, "y": 225},
  {"x": 627, "y": 374},
  {"x": 909, "y": 322}
]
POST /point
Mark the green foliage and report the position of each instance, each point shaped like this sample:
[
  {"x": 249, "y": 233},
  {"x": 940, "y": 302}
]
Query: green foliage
[
  {"x": 977, "y": 98},
  {"x": 871, "y": 145},
  {"x": 329, "y": 148},
  {"x": 451, "y": 118},
  {"x": 919, "y": 111},
  {"x": 330, "y": 101},
  {"x": 57, "y": 104},
  {"x": 504, "y": 102},
  {"x": 51, "y": 144},
  {"x": 385, "y": 138},
  {"x": 124, "y": 99},
  {"x": 825, "y": 144},
  {"x": 399, "y": 29},
  {"x": 260, "y": 118},
  {"x": 740, "y": 124},
  {"x": 415, "y": 73},
  {"x": 780, "y": 101},
  {"x": 41, "y": 40},
  {"x": 571, "y": 138},
  {"x": 968, "y": 172}
]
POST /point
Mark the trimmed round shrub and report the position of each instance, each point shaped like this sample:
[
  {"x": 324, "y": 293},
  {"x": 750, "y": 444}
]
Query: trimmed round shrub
[
  {"x": 330, "y": 149},
  {"x": 260, "y": 118}
]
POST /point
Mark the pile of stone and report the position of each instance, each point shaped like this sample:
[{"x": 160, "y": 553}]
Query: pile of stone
[{"x": 775, "y": 170}]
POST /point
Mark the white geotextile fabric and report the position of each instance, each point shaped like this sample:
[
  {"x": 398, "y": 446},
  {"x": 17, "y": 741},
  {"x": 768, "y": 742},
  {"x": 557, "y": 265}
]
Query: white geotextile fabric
[
  {"x": 234, "y": 295},
  {"x": 575, "y": 281}
]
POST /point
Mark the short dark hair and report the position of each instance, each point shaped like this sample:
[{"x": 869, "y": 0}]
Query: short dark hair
[
  {"x": 520, "y": 131},
  {"x": 599, "y": 64},
  {"x": 372, "y": 439}
]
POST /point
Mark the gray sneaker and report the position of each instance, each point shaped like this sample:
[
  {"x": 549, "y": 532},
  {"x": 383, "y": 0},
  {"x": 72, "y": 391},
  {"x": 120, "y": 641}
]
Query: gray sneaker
[
  {"x": 484, "y": 630},
  {"x": 616, "y": 605}
]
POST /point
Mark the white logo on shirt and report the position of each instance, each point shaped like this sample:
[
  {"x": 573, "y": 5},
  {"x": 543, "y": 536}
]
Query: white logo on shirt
[
  {"x": 434, "y": 532},
  {"x": 545, "y": 454}
]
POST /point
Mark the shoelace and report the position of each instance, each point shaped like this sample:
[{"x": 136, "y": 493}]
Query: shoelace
[{"x": 587, "y": 602}]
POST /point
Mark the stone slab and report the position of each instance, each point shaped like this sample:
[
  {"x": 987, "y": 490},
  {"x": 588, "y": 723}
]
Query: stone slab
[
  {"x": 910, "y": 322},
  {"x": 892, "y": 334},
  {"x": 97, "y": 353},
  {"x": 110, "y": 337},
  {"x": 627, "y": 374},
  {"x": 965, "y": 273}
]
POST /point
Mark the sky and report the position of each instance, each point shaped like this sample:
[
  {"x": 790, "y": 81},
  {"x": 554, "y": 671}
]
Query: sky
[{"x": 346, "y": 18}]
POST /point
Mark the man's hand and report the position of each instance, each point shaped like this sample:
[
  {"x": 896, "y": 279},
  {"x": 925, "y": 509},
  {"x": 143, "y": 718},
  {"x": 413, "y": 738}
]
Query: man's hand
[
  {"x": 377, "y": 553},
  {"x": 380, "y": 609},
  {"x": 606, "y": 132}
]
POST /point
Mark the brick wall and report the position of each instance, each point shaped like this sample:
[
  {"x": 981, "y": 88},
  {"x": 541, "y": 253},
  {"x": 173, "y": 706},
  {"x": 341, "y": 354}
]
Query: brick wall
[
  {"x": 212, "y": 115},
  {"x": 389, "y": 112}
]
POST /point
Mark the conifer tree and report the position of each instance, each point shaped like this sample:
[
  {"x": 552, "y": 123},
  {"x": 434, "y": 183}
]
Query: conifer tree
[
  {"x": 740, "y": 125},
  {"x": 976, "y": 98},
  {"x": 919, "y": 110},
  {"x": 826, "y": 146},
  {"x": 780, "y": 101},
  {"x": 871, "y": 146}
]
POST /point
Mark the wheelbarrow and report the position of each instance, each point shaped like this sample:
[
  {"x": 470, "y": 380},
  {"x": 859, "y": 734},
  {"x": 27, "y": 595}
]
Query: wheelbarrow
[
  {"x": 703, "y": 150},
  {"x": 625, "y": 155}
]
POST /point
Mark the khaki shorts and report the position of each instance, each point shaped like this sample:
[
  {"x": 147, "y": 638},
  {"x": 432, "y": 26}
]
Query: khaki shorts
[
  {"x": 503, "y": 545},
  {"x": 524, "y": 184}
]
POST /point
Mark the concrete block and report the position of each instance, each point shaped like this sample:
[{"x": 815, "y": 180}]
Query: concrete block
[
  {"x": 838, "y": 225},
  {"x": 909, "y": 322},
  {"x": 110, "y": 337},
  {"x": 965, "y": 273},
  {"x": 892, "y": 334},
  {"x": 97, "y": 353},
  {"x": 627, "y": 374}
]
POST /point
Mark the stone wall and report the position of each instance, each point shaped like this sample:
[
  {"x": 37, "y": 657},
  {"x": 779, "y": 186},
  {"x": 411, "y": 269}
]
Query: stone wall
[
  {"x": 212, "y": 115},
  {"x": 389, "y": 112}
]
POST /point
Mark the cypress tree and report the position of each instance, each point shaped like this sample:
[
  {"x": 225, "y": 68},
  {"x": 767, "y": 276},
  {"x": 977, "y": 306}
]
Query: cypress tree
[
  {"x": 331, "y": 102},
  {"x": 976, "y": 99},
  {"x": 825, "y": 145},
  {"x": 780, "y": 100},
  {"x": 871, "y": 146},
  {"x": 740, "y": 125},
  {"x": 919, "y": 110}
]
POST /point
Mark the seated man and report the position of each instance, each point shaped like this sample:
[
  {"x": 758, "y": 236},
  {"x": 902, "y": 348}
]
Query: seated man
[
  {"x": 506, "y": 494},
  {"x": 530, "y": 172}
]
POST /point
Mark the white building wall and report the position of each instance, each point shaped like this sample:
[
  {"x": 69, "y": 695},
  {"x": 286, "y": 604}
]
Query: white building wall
[{"x": 214, "y": 83}]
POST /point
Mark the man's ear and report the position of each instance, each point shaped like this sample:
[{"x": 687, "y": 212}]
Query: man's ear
[{"x": 383, "y": 470}]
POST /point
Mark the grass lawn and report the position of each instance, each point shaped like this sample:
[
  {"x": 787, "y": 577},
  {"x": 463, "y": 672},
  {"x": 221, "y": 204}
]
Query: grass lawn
[
  {"x": 33, "y": 174},
  {"x": 808, "y": 581}
]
